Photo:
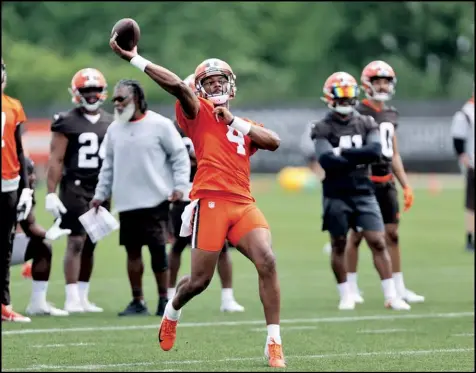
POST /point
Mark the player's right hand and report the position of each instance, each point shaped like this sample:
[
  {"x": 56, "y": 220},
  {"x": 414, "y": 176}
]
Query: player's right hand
[
  {"x": 56, "y": 232},
  {"x": 54, "y": 205},
  {"x": 126, "y": 55},
  {"x": 95, "y": 203}
]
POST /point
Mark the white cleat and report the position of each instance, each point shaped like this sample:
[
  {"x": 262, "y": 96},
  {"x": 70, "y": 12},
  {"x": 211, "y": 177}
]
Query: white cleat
[
  {"x": 91, "y": 307},
  {"x": 411, "y": 297},
  {"x": 347, "y": 303},
  {"x": 74, "y": 307},
  {"x": 231, "y": 306},
  {"x": 397, "y": 304},
  {"x": 44, "y": 308},
  {"x": 357, "y": 298}
]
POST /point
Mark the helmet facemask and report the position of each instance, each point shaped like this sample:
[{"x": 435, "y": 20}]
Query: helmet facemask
[
  {"x": 341, "y": 99},
  {"x": 228, "y": 87},
  {"x": 372, "y": 93}
]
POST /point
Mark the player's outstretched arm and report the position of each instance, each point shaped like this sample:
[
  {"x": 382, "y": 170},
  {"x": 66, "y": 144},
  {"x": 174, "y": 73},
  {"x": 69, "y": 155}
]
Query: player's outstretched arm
[
  {"x": 326, "y": 155},
  {"x": 169, "y": 81},
  {"x": 367, "y": 154}
]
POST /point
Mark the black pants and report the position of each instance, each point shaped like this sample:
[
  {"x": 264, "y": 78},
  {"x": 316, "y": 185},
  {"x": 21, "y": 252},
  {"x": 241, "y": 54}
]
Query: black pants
[{"x": 8, "y": 203}]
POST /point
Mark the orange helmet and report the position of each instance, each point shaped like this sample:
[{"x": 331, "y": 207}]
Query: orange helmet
[
  {"x": 190, "y": 81},
  {"x": 341, "y": 88},
  {"x": 375, "y": 70},
  {"x": 88, "y": 89},
  {"x": 212, "y": 67}
]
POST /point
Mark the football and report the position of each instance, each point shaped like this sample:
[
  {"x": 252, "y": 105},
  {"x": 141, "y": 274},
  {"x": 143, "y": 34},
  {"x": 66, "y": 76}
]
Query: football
[{"x": 128, "y": 33}]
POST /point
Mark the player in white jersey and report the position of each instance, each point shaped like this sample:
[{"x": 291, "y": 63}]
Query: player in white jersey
[{"x": 462, "y": 131}]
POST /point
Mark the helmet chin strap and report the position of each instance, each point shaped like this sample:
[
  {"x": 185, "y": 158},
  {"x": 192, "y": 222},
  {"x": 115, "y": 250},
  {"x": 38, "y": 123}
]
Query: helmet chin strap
[
  {"x": 379, "y": 97},
  {"x": 219, "y": 99}
]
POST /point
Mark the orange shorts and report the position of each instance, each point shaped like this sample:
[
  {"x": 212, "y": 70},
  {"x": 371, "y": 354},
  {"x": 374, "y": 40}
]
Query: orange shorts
[{"x": 215, "y": 220}]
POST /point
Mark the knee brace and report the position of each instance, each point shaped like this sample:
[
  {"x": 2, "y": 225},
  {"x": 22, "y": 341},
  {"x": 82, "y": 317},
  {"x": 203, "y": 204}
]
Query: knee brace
[{"x": 158, "y": 258}]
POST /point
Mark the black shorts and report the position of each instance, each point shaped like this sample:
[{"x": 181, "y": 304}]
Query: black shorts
[
  {"x": 175, "y": 223},
  {"x": 76, "y": 198},
  {"x": 361, "y": 213},
  {"x": 144, "y": 226},
  {"x": 470, "y": 189},
  {"x": 387, "y": 198}
]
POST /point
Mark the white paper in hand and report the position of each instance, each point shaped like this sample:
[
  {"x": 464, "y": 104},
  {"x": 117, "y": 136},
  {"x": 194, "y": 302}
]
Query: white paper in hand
[{"x": 98, "y": 224}]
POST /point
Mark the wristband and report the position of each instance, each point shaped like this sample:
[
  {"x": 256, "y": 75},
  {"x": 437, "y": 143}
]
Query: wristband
[
  {"x": 139, "y": 62},
  {"x": 241, "y": 125}
]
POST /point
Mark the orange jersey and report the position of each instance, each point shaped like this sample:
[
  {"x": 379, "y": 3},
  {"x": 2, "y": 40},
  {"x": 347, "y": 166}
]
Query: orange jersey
[
  {"x": 12, "y": 115},
  {"x": 223, "y": 155}
]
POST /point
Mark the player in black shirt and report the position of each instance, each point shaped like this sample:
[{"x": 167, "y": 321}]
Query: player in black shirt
[
  {"x": 346, "y": 144},
  {"x": 378, "y": 80},
  {"x": 224, "y": 266},
  {"x": 77, "y": 150}
]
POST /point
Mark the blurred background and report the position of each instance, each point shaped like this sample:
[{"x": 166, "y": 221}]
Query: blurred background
[{"x": 281, "y": 54}]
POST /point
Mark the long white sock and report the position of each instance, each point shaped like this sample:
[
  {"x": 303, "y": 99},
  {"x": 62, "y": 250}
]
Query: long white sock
[
  {"x": 170, "y": 293},
  {"x": 38, "y": 291},
  {"x": 170, "y": 312},
  {"x": 352, "y": 280},
  {"x": 83, "y": 289},
  {"x": 227, "y": 295},
  {"x": 399, "y": 284},
  {"x": 72, "y": 293},
  {"x": 344, "y": 289},
  {"x": 274, "y": 333},
  {"x": 388, "y": 287}
]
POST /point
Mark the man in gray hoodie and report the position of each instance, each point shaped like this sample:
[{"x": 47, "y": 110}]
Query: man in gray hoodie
[{"x": 146, "y": 166}]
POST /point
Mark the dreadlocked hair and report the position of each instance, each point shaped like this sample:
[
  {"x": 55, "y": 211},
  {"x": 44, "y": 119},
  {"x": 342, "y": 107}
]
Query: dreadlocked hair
[{"x": 137, "y": 90}]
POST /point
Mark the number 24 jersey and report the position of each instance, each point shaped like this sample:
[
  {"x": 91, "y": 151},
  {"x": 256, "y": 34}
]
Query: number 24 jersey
[{"x": 86, "y": 145}]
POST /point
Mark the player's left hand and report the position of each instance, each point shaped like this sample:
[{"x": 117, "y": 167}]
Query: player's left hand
[
  {"x": 25, "y": 204},
  {"x": 56, "y": 232},
  {"x": 408, "y": 198},
  {"x": 222, "y": 113},
  {"x": 176, "y": 195},
  {"x": 126, "y": 55}
]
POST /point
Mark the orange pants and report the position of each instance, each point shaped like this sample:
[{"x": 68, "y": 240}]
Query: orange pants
[{"x": 215, "y": 220}]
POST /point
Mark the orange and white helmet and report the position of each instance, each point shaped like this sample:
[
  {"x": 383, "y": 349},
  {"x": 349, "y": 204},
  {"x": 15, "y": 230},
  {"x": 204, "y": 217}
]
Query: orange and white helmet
[
  {"x": 339, "y": 87},
  {"x": 212, "y": 67},
  {"x": 375, "y": 70},
  {"x": 85, "y": 80},
  {"x": 190, "y": 81}
]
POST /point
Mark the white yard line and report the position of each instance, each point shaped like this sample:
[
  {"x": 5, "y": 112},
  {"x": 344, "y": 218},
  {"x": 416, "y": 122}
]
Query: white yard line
[
  {"x": 463, "y": 335},
  {"x": 190, "y": 362},
  {"x": 239, "y": 323},
  {"x": 303, "y": 327},
  {"x": 380, "y": 331},
  {"x": 62, "y": 345}
]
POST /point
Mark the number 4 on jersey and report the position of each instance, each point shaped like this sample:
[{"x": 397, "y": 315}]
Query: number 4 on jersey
[{"x": 236, "y": 137}]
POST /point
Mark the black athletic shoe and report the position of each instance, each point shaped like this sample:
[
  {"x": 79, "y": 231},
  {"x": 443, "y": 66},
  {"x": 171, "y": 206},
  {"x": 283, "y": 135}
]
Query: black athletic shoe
[
  {"x": 135, "y": 308},
  {"x": 161, "y": 306}
]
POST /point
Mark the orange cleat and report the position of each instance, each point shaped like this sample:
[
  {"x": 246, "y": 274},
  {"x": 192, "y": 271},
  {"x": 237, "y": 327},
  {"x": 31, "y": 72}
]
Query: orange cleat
[
  {"x": 274, "y": 353},
  {"x": 26, "y": 270},
  {"x": 9, "y": 315},
  {"x": 167, "y": 333}
]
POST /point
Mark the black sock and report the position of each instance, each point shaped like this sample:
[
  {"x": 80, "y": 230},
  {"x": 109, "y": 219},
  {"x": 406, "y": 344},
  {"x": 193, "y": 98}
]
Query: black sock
[{"x": 469, "y": 239}]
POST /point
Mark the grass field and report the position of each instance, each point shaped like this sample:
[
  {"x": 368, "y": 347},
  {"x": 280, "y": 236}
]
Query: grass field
[{"x": 434, "y": 336}]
